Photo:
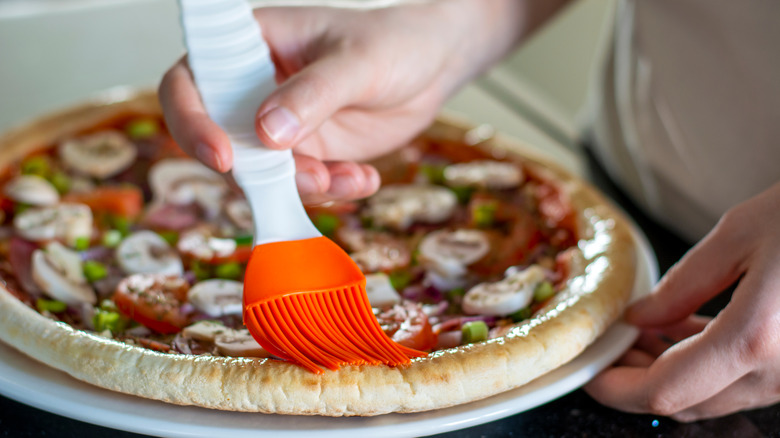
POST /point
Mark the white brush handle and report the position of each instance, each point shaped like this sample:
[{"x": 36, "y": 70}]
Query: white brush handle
[{"x": 233, "y": 71}]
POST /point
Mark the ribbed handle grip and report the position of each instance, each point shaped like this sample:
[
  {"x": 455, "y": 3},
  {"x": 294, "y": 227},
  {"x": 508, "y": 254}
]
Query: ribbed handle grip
[
  {"x": 234, "y": 73},
  {"x": 232, "y": 67}
]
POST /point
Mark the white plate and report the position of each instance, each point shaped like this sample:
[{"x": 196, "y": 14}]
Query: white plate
[{"x": 38, "y": 385}]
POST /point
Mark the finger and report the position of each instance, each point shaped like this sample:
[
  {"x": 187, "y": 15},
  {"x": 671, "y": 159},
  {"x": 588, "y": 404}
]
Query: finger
[
  {"x": 307, "y": 99},
  {"x": 189, "y": 124},
  {"x": 320, "y": 182},
  {"x": 311, "y": 176},
  {"x": 372, "y": 178},
  {"x": 350, "y": 180},
  {"x": 749, "y": 392},
  {"x": 686, "y": 374},
  {"x": 656, "y": 341},
  {"x": 635, "y": 358},
  {"x": 702, "y": 273}
]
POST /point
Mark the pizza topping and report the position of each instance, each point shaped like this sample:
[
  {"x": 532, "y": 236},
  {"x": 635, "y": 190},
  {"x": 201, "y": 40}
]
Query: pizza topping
[
  {"x": 59, "y": 273},
  {"x": 100, "y": 155},
  {"x": 181, "y": 181},
  {"x": 407, "y": 324},
  {"x": 182, "y": 256},
  {"x": 201, "y": 244},
  {"x": 488, "y": 174},
  {"x": 239, "y": 343},
  {"x": 205, "y": 331},
  {"x": 32, "y": 190},
  {"x": 107, "y": 317},
  {"x": 125, "y": 201},
  {"x": 446, "y": 254},
  {"x": 172, "y": 217},
  {"x": 515, "y": 292},
  {"x": 380, "y": 291},
  {"x": 214, "y": 336},
  {"x": 375, "y": 251},
  {"x": 20, "y": 253},
  {"x": 238, "y": 211},
  {"x": 145, "y": 252},
  {"x": 217, "y": 297},
  {"x": 473, "y": 331},
  {"x": 398, "y": 206},
  {"x": 154, "y": 301},
  {"x": 67, "y": 222}
]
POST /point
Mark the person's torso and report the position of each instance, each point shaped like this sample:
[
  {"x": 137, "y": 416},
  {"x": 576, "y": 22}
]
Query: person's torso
[{"x": 689, "y": 121}]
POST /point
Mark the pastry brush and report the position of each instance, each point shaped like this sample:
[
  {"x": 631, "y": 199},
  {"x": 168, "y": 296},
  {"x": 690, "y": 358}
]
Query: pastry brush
[{"x": 304, "y": 297}]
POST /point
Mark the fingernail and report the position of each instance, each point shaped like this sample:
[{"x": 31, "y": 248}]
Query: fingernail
[
  {"x": 342, "y": 186},
  {"x": 281, "y": 125},
  {"x": 307, "y": 183},
  {"x": 206, "y": 154}
]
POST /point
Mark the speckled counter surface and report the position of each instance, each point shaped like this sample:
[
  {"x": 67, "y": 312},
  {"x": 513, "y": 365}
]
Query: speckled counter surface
[{"x": 574, "y": 415}]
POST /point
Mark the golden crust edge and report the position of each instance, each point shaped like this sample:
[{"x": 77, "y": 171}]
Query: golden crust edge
[{"x": 444, "y": 379}]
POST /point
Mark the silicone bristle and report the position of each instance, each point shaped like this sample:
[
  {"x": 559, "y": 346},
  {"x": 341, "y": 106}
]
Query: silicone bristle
[{"x": 325, "y": 329}]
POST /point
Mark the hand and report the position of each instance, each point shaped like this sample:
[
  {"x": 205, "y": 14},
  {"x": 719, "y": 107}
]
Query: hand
[
  {"x": 690, "y": 367},
  {"x": 355, "y": 84},
  {"x": 351, "y": 89}
]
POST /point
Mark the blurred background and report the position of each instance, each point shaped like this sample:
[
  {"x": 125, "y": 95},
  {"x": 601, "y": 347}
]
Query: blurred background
[{"x": 54, "y": 53}]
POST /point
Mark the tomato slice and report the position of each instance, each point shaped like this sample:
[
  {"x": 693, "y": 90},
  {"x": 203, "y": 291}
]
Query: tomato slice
[
  {"x": 556, "y": 208},
  {"x": 154, "y": 301},
  {"x": 407, "y": 324},
  {"x": 240, "y": 255},
  {"x": 125, "y": 201}
]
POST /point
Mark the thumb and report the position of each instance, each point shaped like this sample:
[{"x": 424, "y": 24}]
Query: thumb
[
  {"x": 310, "y": 97},
  {"x": 706, "y": 270}
]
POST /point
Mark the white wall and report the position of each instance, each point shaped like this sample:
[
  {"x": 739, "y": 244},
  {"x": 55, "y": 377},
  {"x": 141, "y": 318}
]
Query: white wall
[
  {"x": 55, "y": 52},
  {"x": 548, "y": 78}
]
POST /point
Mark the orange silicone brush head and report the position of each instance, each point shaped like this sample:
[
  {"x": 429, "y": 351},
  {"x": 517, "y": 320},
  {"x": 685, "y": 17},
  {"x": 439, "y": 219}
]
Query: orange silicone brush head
[{"x": 305, "y": 301}]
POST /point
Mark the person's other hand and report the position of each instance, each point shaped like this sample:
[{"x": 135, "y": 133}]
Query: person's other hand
[
  {"x": 691, "y": 367},
  {"x": 354, "y": 84}
]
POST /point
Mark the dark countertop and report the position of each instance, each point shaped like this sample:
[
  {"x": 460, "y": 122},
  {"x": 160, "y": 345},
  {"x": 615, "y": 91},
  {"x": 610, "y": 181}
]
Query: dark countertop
[{"x": 574, "y": 415}]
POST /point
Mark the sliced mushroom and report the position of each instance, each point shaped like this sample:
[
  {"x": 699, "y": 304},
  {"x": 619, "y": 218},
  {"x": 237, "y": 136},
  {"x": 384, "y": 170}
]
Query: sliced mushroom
[
  {"x": 446, "y": 254},
  {"x": 59, "y": 273},
  {"x": 217, "y": 297},
  {"x": 375, "y": 250},
  {"x": 500, "y": 298},
  {"x": 145, "y": 252},
  {"x": 398, "y": 206},
  {"x": 380, "y": 291},
  {"x": 204, "y": 331},
  {"x": 483, "y": 173},
  {"x": 449, "y": 252},
  {"x": 181, "y": 181},
  {"x": 200, "y": 243},
  {"x": 81, "y": 184},
  {"x": 68, "y": 221},
  {"x": 101, "y": 155},
  {"x": 32, "y": 190},
  {"x": 239, "y": 213},
  {"x": 239, "y": 343}
]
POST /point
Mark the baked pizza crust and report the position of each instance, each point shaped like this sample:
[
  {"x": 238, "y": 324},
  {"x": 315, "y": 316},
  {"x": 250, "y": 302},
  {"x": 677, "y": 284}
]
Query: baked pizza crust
[{"x": 594, "y": 298}]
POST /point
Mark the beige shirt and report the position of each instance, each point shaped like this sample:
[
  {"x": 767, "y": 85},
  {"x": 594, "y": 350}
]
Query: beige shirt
[{"x": 689, "y": 115}]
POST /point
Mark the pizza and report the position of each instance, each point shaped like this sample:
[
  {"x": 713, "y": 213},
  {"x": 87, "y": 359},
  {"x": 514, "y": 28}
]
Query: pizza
[{"x": 121, "y": 264}]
